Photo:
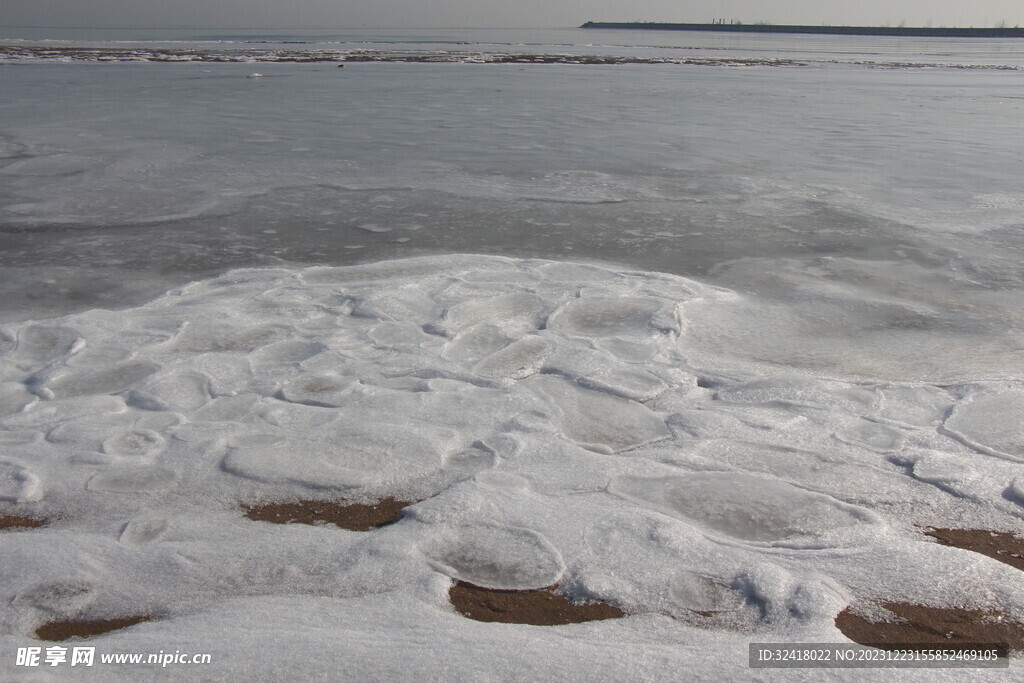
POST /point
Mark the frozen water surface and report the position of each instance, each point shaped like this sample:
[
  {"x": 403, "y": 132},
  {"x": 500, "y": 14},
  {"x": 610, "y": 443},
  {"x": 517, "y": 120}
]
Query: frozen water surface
[
  {"x": 742, "y": 506},
  {"x": 493, "y": 557},
  {"x": 141, "y": 531},
  {"x": 991, "y": 422},
  {"x": 132, "y": 480},
  {"x": 704, "y": 594},
  {"x": 18, "y": 484},
  {"x": 732, "y": 335},
  {"x": 597, "y": 421},
  {"x": 518, "y": 431}
]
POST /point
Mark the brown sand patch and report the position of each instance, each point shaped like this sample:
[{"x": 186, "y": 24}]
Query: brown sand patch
[
  {"x": 20, "y": 522},
  {"x": 920, "y": 627},
  {"x": 85, "y": 628},
  {"x": 542, "y": 607},
  {"x": 1001, "y": 546},
  {"x": 351, "y": 516}
]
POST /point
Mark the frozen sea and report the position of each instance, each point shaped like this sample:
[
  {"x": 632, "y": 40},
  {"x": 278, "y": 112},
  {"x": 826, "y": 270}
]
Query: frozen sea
[{"x": 687, "y": 323}]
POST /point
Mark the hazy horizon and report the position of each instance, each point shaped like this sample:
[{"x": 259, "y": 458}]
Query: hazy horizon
[{"x": 475, "y": 14}]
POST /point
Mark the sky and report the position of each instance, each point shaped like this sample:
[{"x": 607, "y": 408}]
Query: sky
[{"x": 499, "y": 13}]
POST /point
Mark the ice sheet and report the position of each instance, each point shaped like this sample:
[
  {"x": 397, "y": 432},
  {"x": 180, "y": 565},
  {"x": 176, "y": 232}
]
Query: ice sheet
[
  {"x": 761, "y": 442},
  {"x": 769, "y": 496}
]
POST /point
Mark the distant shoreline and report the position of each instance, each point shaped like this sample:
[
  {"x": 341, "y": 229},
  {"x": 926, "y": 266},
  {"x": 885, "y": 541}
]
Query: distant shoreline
[{"x": 916, "y": 31}]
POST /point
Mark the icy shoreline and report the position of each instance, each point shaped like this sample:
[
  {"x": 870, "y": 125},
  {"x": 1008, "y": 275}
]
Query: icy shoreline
[
  {"x": 18, "y": 53},
  {"x": 555, "y": 427}
]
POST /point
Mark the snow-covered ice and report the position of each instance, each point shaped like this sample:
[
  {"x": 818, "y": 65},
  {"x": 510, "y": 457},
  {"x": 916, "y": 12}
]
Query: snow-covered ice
[
  {"x": 743, "y": 506},
  {"x": 990, "y": 421},
  {"x": 743, "y": 333},
  {"x": 555, "y": 432}
]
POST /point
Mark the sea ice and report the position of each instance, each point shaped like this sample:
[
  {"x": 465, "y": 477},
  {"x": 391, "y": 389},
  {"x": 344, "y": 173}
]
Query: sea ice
[
  {"x": 13, "y": 397},
  {"x": 519, "y": 312},
  {"x": 824, "y": 472},
  {"x": 227, "y": 409},
  {"x": 347, "y": 456},
  {"x": 629, "y": 350},
  {"x": 285, "y": 353},
  {"x": 600, "y": 316},
  {"x": 915, "y": 406},
  {"x": 474, "y": 459},
  {"x": 704, "y": 594},
  {"x": 41, "y": 344},
  {"x": 511, "y": 558},
  {"x": 518, "y": 360},
  {"x": 503, "y": 480},
  {"x": 52, "y": 165},
  {"x": 510, "y": 397},
  {"x": 173, "y": 391},
  {"x": 19, "y": 438},
  {"x": 142, "y": 479},
  {"x": 62, "y": 599},
  {"x": 873, "y": 436},
  {"x": 224, "y": 336},
  {"x": 800, "y": 392},
  {"x": 103, "y": 356},
  {"x": 990, "y": 421},
  {"x": 473, "y": 344},
  {"x": 599, "y": 371},
  {"x": 727, "y": 423},
  {"x": 100, "y": 380},
  {"x": 324, "y": 391},
  {"x": 90, "y": 432},
  {"x": 19, "y": 484},
  {"x": 52, "y": 413},
  {"x": 137, "y": 443},
  {"x": 392, "y": 335},
  {"x": 1015, "y": 491},
  {"x": 296, "y": 417},
  {"x": 573, "y": 273},
  {"x": 743, "y": 506},
  {"x": 143, "y": 530},
  {"x": 948, "y": 472},
  {"x": 597, "y": 421}
]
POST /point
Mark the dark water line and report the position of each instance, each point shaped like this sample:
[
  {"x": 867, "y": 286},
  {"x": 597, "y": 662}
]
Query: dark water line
[{"x": 903, "y": 31}]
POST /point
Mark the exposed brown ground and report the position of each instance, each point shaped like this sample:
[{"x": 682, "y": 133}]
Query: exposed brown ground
[
  {"x": 946, "y": 626},
  {"x": 542, "y": 607},
  {"x": 1001, "y": 546},
  {"x": 351, "y": 516},
  {"x": 84, "y": 628},
  {"x": 916, "y": 625},
  {"x": 20, "y": 522}
]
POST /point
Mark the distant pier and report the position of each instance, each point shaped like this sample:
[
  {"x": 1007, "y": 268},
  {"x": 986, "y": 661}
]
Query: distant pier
[{"x": 914, "y": 31}]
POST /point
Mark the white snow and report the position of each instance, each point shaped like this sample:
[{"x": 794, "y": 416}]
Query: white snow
[
  {"x": 554, "y": 430},
  {"x": 743, "y": 506},
  {"x": 597, "y": 421},
  {"x": 991, "y": 421},
  {"x": 508, "y": 558}
]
